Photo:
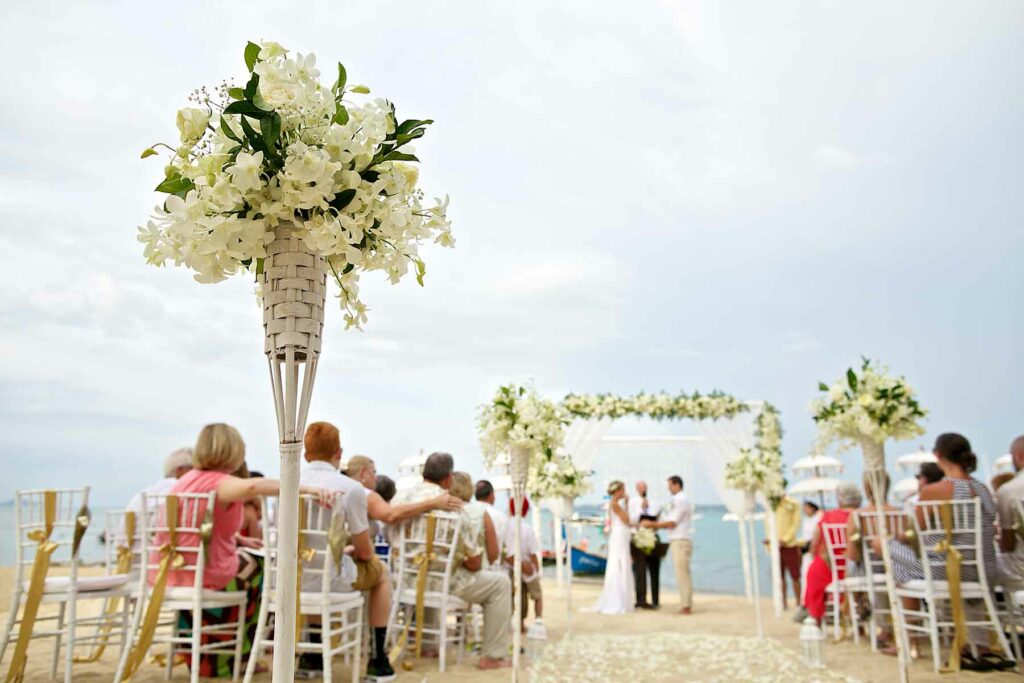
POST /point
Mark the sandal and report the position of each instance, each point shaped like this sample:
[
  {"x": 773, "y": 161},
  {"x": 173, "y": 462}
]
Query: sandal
[
  {"x": 969, "y": 663},
  {"x": 996, "y": 662}
]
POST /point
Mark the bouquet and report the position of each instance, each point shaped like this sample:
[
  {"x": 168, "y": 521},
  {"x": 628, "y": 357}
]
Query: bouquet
[
  {"x": 518, "y": 416},
  {"x": 867, "y": 406},
  {"x": 288, "y": 149},
  {"x": 557, "y": 478},
  {"x": 645, "y": 540}
]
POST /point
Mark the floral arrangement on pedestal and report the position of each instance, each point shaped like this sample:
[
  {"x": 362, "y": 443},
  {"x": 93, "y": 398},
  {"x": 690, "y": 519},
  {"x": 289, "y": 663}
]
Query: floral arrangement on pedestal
[
  {"x": 868, "y": 406},
  {"x": 287, "y": 149},
  {"x": 757, "y": 472},
  {"x": 557, "y": 478},
  {"x": 518, "y": 416}
]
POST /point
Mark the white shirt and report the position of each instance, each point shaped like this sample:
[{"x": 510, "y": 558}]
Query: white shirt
[
  {"x": 808, "y": 526},
  {"x": 159, "y": 488},
  {"x": 498, "y": 518},
  {"x": 682, "y": 514},
  {"x": 636, "y": 508},
  {"x": 323, "y": 475},
  {"x": 1006, "y": 499},
  {"x": 529, "y": 547}
]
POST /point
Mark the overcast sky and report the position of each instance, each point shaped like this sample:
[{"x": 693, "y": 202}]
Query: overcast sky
[{"x": 646, "y": 195}]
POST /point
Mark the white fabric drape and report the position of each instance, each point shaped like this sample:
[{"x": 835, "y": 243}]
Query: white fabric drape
[{"x": 583, "y": 438}]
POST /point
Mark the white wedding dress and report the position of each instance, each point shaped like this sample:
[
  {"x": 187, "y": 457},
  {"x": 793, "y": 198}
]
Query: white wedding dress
[{"x": 618, "y": 593}]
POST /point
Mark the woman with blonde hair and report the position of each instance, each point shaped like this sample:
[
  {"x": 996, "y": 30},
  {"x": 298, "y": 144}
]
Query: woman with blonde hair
[
  {"x": 218, "y": 454},
  {"x": 618, "y": 592}
]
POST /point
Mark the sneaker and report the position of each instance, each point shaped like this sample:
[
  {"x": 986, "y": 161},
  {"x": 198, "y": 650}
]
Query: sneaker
[
  {"x": 379, "y": 671},
  {"x": 800, "y": 615},
  {"x": 537, "y": 630}
]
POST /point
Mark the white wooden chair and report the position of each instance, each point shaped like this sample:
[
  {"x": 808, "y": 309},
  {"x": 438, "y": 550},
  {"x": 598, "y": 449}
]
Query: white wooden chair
[
  {"x": 341, "y": 613},
  {"x": 154, "y": 530},
  {"x": 835, "y": 544},
  {"x": 929, "y": 591},
  {"x": 63, "y": 586},
  {"x": 437, "y": 598},
  {"x": 873, "y": 581}
]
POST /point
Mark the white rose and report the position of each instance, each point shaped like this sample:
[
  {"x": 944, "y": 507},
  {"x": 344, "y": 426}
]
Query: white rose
[{"x": 192, "y": 123}]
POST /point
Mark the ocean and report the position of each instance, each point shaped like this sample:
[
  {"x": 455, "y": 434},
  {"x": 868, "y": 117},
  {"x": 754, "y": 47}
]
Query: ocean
[{"x": 716, "y": 563}]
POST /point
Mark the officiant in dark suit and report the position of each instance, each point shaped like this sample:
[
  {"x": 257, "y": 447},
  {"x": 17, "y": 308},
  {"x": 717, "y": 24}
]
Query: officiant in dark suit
[{"x": 645, "y": 564}]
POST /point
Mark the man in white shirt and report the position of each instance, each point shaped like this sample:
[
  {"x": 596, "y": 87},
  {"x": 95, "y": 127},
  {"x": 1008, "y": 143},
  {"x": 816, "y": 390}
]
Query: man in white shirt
[
  {"x": 176, "y": 464},
  {"x": 639, "y": 508},
  {"x": 484, "y": 494},
  {"x": 323, "y": 456},
  {"x": 679, "y": 526},
  {"x": 491, "y": 590},
  {"x": 1012, "y": 559}
]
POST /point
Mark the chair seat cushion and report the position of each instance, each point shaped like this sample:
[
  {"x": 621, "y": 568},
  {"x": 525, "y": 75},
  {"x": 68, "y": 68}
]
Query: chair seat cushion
[
  {"x": 310, "y": 602},
  {"x": 433, "y": 599},
  {"x": 84, "y": 584},
  {"x": 861, "y": 582},
  {"x": 210, "y": 598},
  {"x": 917, "y": 587}
]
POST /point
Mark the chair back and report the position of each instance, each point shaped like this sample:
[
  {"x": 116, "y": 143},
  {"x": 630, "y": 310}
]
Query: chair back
[
  {"x": 118, "y": 544},
  {"x": 195, "y": 510},
  {"x": 319, "y": 563},
  {"x": 30, "y": 518},
  {"x": 835, "y": 544},
  {"x": 867, "y": 522},
  {"x": 965, "y": 516},
  {"x": 411, "y": 543}
]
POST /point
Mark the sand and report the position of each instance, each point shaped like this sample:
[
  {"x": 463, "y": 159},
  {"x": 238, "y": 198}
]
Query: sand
[{"x": 718, "y": 620}]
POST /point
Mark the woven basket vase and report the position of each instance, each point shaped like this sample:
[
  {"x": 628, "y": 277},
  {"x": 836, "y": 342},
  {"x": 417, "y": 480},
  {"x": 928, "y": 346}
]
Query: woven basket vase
[{"x": 294, "y": 284}]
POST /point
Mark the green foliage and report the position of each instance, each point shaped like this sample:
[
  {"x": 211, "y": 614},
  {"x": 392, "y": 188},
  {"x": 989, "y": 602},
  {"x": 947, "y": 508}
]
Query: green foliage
[{"x": 252, "y": 55}]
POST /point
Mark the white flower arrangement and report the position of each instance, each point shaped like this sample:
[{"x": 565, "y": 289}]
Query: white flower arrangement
[
  {"x": 557, "y": 478},
  {"x": 517, "y": 416},
  {"x": 286, "y": 148},
  {"x": 867, "y": 406},
  {"x": 757, "y": 471},
  {"x": 645, "y": 540}
]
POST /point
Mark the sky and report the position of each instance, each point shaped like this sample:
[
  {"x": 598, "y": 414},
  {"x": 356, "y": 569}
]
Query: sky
[{"x": 652, "y": 195}]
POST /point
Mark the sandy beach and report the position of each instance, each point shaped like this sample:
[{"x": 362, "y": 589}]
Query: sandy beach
[{"x": 719, "y": 634}]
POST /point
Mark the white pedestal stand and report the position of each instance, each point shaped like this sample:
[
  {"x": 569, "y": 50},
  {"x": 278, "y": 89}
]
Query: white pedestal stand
[
  {"x": 518, "y": 468},
  {"x": 751, "y": 533},
  {"x": 294, "y": 289}
]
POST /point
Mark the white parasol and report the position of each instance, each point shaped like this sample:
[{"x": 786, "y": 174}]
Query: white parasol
[
  {"x": 818, "y": 464},
  {"x": 1004, "y": 463},
  {"x": 815, "y": 485},
  {"x": 911, "y": 460}
]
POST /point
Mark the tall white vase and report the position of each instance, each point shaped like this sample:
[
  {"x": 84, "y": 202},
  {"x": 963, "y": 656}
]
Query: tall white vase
[
  {"x": 519, "y": 467},
  {"x": 294, "y": 284}
]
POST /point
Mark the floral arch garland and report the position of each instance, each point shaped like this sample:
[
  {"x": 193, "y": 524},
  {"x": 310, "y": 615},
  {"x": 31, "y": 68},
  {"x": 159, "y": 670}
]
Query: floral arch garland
[{"x": 759, "y": 469}]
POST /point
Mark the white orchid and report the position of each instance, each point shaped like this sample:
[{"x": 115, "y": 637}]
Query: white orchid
[
  {"x": 245, "y": 172},
  {"x": 192, "y": 123}
]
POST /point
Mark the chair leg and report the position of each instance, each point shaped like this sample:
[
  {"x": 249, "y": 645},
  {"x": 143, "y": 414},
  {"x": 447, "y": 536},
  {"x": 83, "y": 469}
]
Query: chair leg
[
  {"x": 130, "y": 635},
  {"x": 1013, "y": 617},
  {"x": 257, "y": 643},
  {"x": 69, "y": 648},
  {"x": 55, "y": 659},
  {"x": 197, "y": 642},
  {"x": 169, "y": 666},
  {"x": 357, "y": 656},
  {"x": 442, "y": 647},
  {"x": 836, "y": 630},
  {"x": 326, "y": 643},
  {"x": 11, "y": 618},
  {"x": 903, "y": 633},
  {"x": 851, "y": 603},
  {"x": 933, "y": 634},
  {"x": 236, "y": 671}
]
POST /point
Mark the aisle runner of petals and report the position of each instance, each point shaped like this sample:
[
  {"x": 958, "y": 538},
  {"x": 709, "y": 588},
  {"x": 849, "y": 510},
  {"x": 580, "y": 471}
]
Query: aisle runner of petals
[{"x": 672, "y": 657}]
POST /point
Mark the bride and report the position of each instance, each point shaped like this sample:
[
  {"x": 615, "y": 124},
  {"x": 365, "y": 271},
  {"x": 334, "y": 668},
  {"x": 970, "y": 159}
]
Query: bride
[{"x": 618, "y": 594}]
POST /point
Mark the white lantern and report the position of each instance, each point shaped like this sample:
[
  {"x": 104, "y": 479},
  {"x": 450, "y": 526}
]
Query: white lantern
[
  {"x": 536, "y": 639},
  {"x": 811, "y": 640}
]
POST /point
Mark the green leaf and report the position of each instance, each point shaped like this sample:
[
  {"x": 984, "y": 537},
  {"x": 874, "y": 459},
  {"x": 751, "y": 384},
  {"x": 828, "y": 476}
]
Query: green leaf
[
  {"x": 421, "y": 270},
  {"x": 255, "y": 139},
  {"x": 342, "y": 199},
  {"x": 361, "y": 89},
  {"x": 251, "y": 87},
  {"x": 399, "y": 156},
  {"x": 259, "y": 266},
  {"x": 271, "y": 128},
  {"x": 370, "y": 176},
  {"x": 148, "y": 152},
  {"x": 244, "y": 107},
  {"x": 822, "y": 386},
  {"x": 410, "y": 124},
  {"x": 339, "y": 85},
  {"x": 227, "y": 130},
  {"x": 252, "y": 55},
  {"x": 176, "y": 185},
  {"x": 341, "y": 116},
  {"x": 851, "y": 379},
  {"x": 236, "y": 93}
]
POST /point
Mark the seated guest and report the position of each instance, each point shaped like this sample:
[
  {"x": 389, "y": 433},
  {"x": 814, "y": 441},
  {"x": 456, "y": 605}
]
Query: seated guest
[
  {"x": 486, "y": 496},
  {"x": 482, "y": 529},
  {"x": 363, "y": 470},
  {"x": 175, "y": 465},
  {"x": 491, "y": 590},
  {"x": 819, "y": 574},
  {"x": 853, "y": 529},
  {"x": 999, "y": 480},
  {"x": 529, "y": 548},
  {"x": 385, "y": 487},
  {"x": 1008, "y": 495},
  {"x": 323, "y": 454},
  {"x": 927, "y": 473},
  {"x": 219, "y": 451}
]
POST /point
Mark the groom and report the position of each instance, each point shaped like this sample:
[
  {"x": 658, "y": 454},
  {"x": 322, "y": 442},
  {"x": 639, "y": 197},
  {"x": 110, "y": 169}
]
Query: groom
[{"x": 642, "y": 509}]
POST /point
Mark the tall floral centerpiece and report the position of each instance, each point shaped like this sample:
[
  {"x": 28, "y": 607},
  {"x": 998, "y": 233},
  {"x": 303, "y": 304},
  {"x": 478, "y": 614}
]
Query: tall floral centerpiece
[
  {"x": 867, "y": 407},
  {"x": 518, "y": 422},
  {"x": 293, "y": 182},
  {"x": 557, "y": 480}
]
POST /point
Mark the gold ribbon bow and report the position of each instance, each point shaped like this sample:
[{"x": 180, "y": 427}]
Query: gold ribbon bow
[
  {"x": 304, "y": 554},
  {"x": 338, "y": 539},
  {"x": 954, "y": 558},
  {"x": 82, "y": 520},
  {"x": 171, "y": 560},
  {"x": 124, "y": 565},
  {"x": 422, "y": 563},
  {"x": 40, "y": 567}
]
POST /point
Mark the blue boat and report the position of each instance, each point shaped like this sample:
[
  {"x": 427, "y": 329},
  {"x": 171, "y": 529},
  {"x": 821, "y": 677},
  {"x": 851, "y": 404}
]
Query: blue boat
[{"x": 586, "y": 562}]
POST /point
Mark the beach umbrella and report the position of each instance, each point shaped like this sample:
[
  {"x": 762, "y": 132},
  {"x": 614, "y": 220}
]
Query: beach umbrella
[
  {"x": 817, "y": 464},
  {"x": 912, "y": 460},
  {"x": 905, "y": 487},
  {"x": 1004, "y": 463},
  {"x": 815, "y": 485}
]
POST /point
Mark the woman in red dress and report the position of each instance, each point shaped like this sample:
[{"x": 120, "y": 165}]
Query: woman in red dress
[{"x": 819, "y": 573}]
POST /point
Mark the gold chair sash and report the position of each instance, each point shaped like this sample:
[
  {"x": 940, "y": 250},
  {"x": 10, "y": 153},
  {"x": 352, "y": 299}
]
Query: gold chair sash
[
  {"x": 40, "y": 567},
  {"x": 954, "y": 559},
  {"x": 171, "y": 560},
  {"x": 304, "y": 554},
  {"x": 422, "y": 562},
  {"x": 82, "y": 520},
  {"x": 338, "y": 539},
  {"x": 124, "y": 565}
]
